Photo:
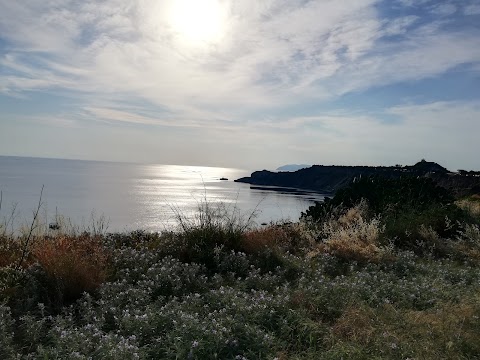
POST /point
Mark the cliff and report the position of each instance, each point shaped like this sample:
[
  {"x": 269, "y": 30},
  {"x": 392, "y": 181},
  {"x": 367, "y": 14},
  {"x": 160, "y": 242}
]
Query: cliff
[{"x": 328, "y": 179}]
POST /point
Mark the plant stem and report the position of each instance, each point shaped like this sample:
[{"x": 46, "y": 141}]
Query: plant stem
[{"x": 32, "y": 227}]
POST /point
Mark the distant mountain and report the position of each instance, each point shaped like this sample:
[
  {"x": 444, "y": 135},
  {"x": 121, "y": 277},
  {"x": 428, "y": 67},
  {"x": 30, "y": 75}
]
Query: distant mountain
[
  {"x": 328, "y": 179},
  {"x": 292, "y": 167}
]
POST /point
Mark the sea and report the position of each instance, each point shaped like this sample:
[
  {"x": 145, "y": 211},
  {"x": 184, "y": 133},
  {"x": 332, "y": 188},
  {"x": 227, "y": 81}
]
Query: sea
[{"x": 124, "y": 197}]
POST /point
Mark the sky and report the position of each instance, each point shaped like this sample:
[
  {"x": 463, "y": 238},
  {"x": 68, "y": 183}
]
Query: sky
[{"x": 249, "y": 84}]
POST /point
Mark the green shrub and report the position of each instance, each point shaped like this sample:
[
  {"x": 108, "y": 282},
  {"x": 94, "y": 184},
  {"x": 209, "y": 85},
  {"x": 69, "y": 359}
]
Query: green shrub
[
  {"x": 404, "y": 205},
  {"x": 7, "y": 325}
]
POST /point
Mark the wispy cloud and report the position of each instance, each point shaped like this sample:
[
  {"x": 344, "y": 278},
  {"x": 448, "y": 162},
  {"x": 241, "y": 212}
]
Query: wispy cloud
[
  {"x": 472, "y": 9},
  {"x": 446, "y": 9},
  {"x": 442, "y": 131},
  {"x": 122, "y": 116},
  {"x": 268, "y": 52}
]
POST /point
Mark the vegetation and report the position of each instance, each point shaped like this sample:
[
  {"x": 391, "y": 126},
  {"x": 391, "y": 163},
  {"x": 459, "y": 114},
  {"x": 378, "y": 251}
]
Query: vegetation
[
  {"x": 354, "y": 279},
  {"x": 416, "y": 212}
]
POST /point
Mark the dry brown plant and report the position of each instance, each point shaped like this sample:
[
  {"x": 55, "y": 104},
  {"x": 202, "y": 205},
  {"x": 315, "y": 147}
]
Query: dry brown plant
[
  {"x": 471, "y": 205},
  {"x": 356, "y": 324},
  {"x": 257, "y": 240},
  {"x": 293, "y": 237},
  {"x": 453, "y": 326},
  {"x": 75, "y": 264},
  {"x": 353, "y": 236}
]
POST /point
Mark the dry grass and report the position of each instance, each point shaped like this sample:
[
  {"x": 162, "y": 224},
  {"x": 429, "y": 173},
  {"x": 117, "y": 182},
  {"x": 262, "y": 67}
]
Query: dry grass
[
  {"x": 453, "y": 325},
  {"x": 292, "y": 237},
  {"x": 467, "y": 252},
  {"x": 257, "y": 240},
  {"x": 352, "y": 236},
  {"x": 431, "y": 242},
  {"x": 356, "y": 324},
  {"x": 472, "y": 205},
  {"x": 468, "y": 242},
  {"x": 74, "y": 264},
  {"x": 445, "y": 331}
]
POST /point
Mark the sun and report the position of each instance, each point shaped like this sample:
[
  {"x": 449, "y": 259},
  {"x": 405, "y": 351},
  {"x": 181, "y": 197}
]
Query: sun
[{"x": 197, "y": 22}]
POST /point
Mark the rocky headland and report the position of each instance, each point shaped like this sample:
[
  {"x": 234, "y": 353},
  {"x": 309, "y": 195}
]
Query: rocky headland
[{"x": 328, "y": 179}]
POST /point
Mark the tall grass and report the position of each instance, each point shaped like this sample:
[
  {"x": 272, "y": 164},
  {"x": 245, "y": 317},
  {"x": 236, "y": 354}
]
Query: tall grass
[
  {"x": 215, "y": 228},
  {"x": 54, "y": 266}
]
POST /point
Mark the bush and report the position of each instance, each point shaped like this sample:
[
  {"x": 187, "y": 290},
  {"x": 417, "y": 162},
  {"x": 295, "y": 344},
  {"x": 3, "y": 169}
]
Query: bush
[
  {"x": 10, "y": 251},
  {"x": 7, "y": 324},
  {"x": 215, "y": 229},
  {"x": 403, "y": 204},
  {"x": 384, "y": 196}
]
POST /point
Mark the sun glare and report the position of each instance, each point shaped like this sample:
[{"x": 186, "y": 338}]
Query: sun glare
[{"x": 197, "y": 21}]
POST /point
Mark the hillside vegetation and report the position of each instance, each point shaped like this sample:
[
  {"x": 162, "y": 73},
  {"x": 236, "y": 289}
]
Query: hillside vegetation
[{"x": 386, "y": 269}]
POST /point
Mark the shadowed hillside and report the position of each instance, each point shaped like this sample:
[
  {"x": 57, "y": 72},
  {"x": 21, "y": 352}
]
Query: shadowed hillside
[{"x": 329, "y": 179}]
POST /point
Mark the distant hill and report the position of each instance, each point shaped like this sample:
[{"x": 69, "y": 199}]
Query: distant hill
[
  {"x": 292, "y": 167},
  {"x": 425, "y": 167},
  {"x": 328, "y": 179}
]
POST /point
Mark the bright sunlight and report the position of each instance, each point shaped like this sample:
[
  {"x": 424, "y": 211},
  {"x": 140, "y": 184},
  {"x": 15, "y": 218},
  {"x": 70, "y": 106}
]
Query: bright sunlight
[{"x": 198, "y": 22}]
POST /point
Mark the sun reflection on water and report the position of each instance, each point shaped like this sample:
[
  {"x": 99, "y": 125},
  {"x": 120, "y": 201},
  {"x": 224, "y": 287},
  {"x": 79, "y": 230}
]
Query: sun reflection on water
[{"x": 134, "y": 196}]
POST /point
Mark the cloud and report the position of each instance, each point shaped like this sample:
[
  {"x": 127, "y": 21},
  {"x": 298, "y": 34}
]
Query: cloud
[
  {"x": 400, "y": 25},
  {"x": 444, "y": 9},
  {"x": 452, "y": 118},
  {"x": 50, "y": 120},
  {"x": 276, "y": 52},
  {"x": 445, "y": 132},
  {"x": 94, "y": 48},
  {"x": 420, "y": 57},
  {"x": 122, "y": 116},
  {"x": 413, "y": 3},
  {"x": 55, "y": 121},
  {"x": 472, "y": 9},
  {"x": 130, "y": 115}
]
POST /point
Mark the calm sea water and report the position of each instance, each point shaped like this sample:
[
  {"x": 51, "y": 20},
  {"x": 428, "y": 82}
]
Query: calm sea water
[{"x": 135, "y": 196}]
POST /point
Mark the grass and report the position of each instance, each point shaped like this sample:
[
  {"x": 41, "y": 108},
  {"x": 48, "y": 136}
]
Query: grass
[
  {"x": 471, "y": 205},
  {"x": 219, "y": 288}
]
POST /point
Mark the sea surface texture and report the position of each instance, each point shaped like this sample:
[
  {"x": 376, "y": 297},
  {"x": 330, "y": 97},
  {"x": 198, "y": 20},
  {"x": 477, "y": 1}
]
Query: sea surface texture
[{"x": 135, "y": 196}]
